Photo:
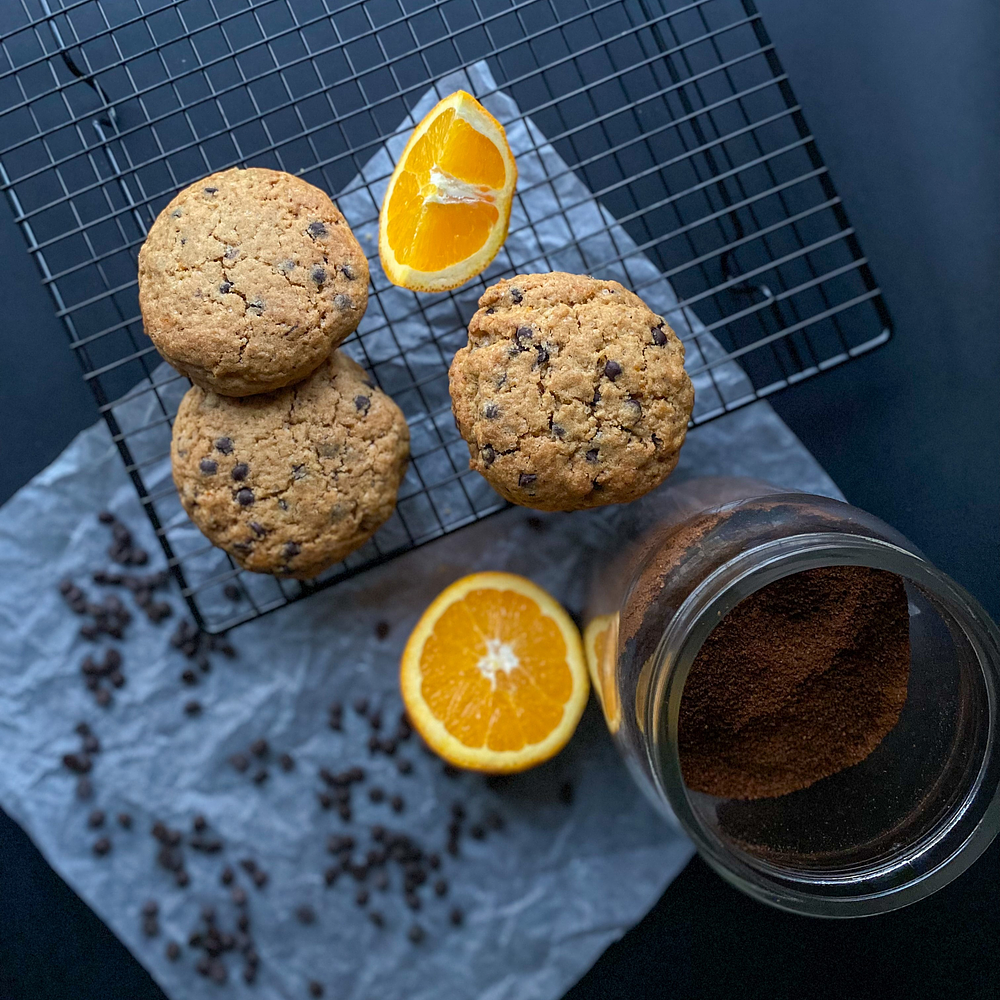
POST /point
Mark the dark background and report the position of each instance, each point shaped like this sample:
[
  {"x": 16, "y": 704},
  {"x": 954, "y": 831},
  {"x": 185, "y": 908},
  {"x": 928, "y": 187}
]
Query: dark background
[{"x": 904, "y": 99}]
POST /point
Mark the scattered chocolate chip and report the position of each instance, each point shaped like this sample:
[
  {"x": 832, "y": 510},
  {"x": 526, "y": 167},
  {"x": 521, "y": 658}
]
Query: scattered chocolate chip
[
  {"x": 316, "y": 230},
  {"x": 244, "y": 497},
  {"x": 494, "y": 820},
  {"x": 176, "y": 213},
  {"x": 259, "y": 747},
  {"x": 209, "y": 466},
  {"x": 217, "y": 971},
  {"x": 361, "y": 897},
  {"x": 101, "y": 846},
  {"x": 433, "y": 861},
  {"x": 318, "y": 275},
  {"x": 211, "y": 190},
  {"x": 523, "y": 336},
  {"x": 172, "y": 951},
  {"x": 633, "y": 406},
  {"x": 182, "y": 878},
  {"x": 515, "y": 295},
  {"x": 231, "y": 253},
  {"x": 397, "y": 804},
  {"x": 490, "y": 311},
  {"x": 325, "y": 800},
  {"x": 382, "y": 630},
  {"x": 78, "y": 763},
  {"x": 96, "y": 819},
  {"x": 491, "y": 411},
  {"x": 227, "y": 876},
  {"x": 612, "y": 370},
  {"x": 150, "y": 908},
  {"x": 416, "y": 934},
  {"x": 225, "y": 287},
  {"x": 566, "y": 793},
  {"x": 361, "y": 705},
  {"x": 286, "y": 762},
  {"x": 225, "y": 445},
  {"x": 239, "y": 895},
  {"x": 659, "y": 337},
  {"x": 260, "y": 776},
  {"x": 376, "y": 795},
  {"x": 362, "y": 404},
  {"x": 305, "y": 914},
  {"x": 376, "y": 918},
  {"x": 240, "y": 471},
  {"x": 526, "y": 479},
  {"x": 189, "y": 677},
  {"x": 260, "y": 878},
  {"x": 597, "y": 397},
  {"x": 192, "y": 708},
  {"x": 125, "y": 821},
  {"x": 488, "y": 455},
  {"x": 105, "y": 517},
  {"x": 240, "y": 762},
  {"x": 440, "y": 887},
  {"x": 342, "y": 301},
  {"x": 456, "y": 917},
  {"x": 255, "y": 306},
  {"x": 476, "y": 832},
  {"x": 592, "y": 455}
]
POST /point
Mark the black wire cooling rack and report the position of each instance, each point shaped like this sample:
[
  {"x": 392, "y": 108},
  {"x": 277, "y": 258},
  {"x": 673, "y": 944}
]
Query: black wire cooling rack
[{"x": 677, "y": 117}]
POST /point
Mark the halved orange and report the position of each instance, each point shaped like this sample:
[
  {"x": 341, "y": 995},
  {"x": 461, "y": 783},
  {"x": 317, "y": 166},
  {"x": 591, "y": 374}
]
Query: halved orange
[
  {"x": 446, "y": 210},
  {"x": 600, "y": 644},
  {"x": 493, "y": 675}
]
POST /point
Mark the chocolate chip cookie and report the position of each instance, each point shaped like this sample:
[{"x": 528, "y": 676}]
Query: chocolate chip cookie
[
  {"x": 571, "y": 392},
  {"x": 248, "y": 278},
  {"x": 292, "y": 481}
]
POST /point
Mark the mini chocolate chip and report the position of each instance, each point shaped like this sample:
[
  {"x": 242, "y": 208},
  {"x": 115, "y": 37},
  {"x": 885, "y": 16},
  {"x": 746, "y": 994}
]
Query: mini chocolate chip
[
  {"x": 488, "y": 455},
  {"x": 255, "y": 306},
  {"x": 231, "y": 253},
  {"x": 240, "y": 762},
  {"x": 592, "y": 455},
  {"x": 362, "y": 403},
  {"x": 225, "y": 288},
  {"x": 176, "y": 213},
  {"x": 259, "y": 747},
  {"x": 305, "y": 914},
  {"x": 659, "y": 337},
  {"x": 258, "y": 529},
  {"x": 397, "y": 804},
  {"x": 173, "y": 951},
  {"x": 316, "y": 230},
  {"x": 559, "y": 430},
  {"x": 526, "y": 479},
  {"x": 225, "y": 445},
  {"x": 416, "y": 934},
  {"x": 348, "y": 272},
  {"x": 182, "y": 878},
  {"x": 656, "y": 441},
  {"x": 283, "y": 504},
  {"x": 491, "y": 411},
  {"x": 286, "y": 762},
  {"x": 240, "y": 471},
  {"x": 361, "y": 897},
  {"x": 612, "y": 369},
  {"x": 440, "y": 887},
  {"x": 101, "y": 846},
  {"x": 192, "y": 708},
  {"x": 299, "y": 472},
  {"x": 376, "y": 918},
  {"x": 227, "y": 876},
  {"x": 286, "y": 265},
  {"x": 404, "y": 766},
  {"x": 95, "y": 819},
  {"x": 343, "y": 301},
  {"x": 633, "y": 406},
  {"x": 212, "y": 190},
  {"x": 318, "y": 274},
  {"x": 490, "y": 311},
  {"x": 543, "y": 355},
  {"x": 523, "y": 335},
  {"x": 208, "y": 466},
  {"x": 244, "y": 497},
  {"x": 456, "y": 917},
  {"x": 125, "y": 821},
  {"x": 239, "y": 895},
  {"x": 515, "y": 295},
  {"x": 597, "y": 397},
  {"x": 476, "y": 832}
]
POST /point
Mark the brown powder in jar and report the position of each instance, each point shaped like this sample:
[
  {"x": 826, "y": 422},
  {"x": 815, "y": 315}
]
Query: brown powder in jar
[{"x": 799, "y": 681}]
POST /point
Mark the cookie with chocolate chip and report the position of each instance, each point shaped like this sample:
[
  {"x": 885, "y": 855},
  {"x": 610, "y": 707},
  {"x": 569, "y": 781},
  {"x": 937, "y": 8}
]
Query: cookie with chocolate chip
[
  {"x": 290, "y": 482},
  {"x": 571, "y": 392},
  {"x": 248, "y": 279}
]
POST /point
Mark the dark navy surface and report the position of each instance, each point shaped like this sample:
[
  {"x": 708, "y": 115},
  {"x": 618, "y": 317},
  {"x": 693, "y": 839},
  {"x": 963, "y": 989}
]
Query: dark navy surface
[{"x": 904, "y": 99}]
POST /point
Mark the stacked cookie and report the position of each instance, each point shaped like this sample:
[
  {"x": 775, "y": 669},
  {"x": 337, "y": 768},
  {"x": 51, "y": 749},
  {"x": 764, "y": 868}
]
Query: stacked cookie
[{"x": 284, "y": 453}]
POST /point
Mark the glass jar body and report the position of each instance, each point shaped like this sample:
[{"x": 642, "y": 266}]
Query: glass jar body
[{"x": 702, "y": 548}]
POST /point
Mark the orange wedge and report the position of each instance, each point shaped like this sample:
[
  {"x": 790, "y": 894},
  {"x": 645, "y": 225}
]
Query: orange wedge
[
  {"x": 493, "y": 675},
  {"x": 600, "y": 644},
  {"x": 446, "y": 210}
]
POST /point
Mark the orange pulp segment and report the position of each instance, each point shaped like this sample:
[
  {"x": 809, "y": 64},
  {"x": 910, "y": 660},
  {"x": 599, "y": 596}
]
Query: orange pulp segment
[
  {"x": 493, "y": 675},
  {"x": 447, "y": 207}
]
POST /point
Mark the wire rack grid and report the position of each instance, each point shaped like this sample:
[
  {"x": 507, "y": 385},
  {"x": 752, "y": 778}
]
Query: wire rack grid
[{"x": 677, "y": 117}]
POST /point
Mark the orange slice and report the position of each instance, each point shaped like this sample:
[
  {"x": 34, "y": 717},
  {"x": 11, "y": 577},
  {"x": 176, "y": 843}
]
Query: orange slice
[
  {"x": 446, "y": 210},
  {"x": 493, "y": 675},
  {"x": 600, "y": 644}
]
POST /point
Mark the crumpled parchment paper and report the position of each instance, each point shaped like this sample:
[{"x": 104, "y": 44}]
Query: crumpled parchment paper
[{"x": 542, "y": 898}]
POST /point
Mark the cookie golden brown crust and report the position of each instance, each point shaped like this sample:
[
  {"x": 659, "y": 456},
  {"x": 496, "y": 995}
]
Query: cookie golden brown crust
[
  {"x": 248, "y": 278},
  {"x": 571, "y": 392},
  {"x": 292, "y": 481}
]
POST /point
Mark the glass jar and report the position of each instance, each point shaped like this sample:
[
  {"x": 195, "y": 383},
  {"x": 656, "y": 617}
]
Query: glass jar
[{"x": 873, "y": 837}]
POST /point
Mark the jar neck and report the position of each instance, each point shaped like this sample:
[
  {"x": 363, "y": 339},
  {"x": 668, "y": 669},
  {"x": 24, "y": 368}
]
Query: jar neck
[{"x": 707, "y": 604}]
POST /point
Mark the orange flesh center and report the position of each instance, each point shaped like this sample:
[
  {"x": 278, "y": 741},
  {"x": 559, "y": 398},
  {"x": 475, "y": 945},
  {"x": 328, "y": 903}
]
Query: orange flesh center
[
  {"x": 441, "y": 210},
  {"x": 494, "y": 671}
]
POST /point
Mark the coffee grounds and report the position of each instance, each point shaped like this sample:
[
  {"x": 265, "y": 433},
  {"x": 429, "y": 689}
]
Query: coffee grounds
[{"x": 800, "y": 680}]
